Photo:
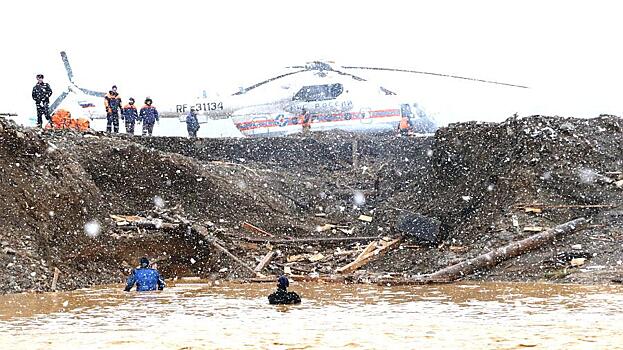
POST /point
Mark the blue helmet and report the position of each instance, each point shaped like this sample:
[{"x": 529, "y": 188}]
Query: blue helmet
[
  {"x": 144, "y": 262},
  {"x": 283, "y": 282}
]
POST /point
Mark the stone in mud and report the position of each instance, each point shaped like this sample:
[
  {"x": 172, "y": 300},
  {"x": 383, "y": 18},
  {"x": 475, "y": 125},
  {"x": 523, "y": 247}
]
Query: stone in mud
[{"x": 420, "y": 229}]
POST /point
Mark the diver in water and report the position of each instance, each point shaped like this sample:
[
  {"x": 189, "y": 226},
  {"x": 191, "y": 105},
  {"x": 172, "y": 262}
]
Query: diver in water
[{"x": 281, "y": 295}]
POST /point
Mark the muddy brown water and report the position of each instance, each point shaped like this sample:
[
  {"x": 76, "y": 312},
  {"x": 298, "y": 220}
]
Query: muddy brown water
[{"x": 236, "y": 316}]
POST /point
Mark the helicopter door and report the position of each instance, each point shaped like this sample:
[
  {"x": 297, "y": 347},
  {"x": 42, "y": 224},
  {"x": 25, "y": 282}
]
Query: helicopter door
[
  {"x": 365, "y": 116},
  {"x": 258, "y": 121},
  {"x": 405, "y": 110}
]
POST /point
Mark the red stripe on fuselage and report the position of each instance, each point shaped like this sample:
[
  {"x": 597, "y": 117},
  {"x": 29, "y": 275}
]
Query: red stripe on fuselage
[{"x": 242, "y": 126}]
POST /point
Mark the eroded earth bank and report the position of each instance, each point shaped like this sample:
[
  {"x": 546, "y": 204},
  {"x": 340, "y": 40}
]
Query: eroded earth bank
[{"x": 90, "y": 205}]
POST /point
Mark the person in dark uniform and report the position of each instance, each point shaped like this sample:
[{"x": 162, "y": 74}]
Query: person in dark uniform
[
  {"x": 112, "y": 102},
  {"x": 281, "y": 295},
  {"x": 145, "y": 278},
  {"x": 192, "y": 123},
  {"x": 41, "y": 93},
  {"x": 130, "y": 115},
  {"x": 148, "y": 116}
]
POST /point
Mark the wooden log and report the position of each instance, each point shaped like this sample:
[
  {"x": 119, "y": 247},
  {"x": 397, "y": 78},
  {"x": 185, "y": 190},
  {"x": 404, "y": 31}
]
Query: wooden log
[
  {"x": 57, "y": 272},
  {"x": 296, "y": 278},
  {"x": 564, "y": 206},
  {"x": 267, "y": 258},
  {"x": 149, "y": 226},
  {"x": 362, "y": 260},
  {"x": 307, "y": 239},
  {"x": 492, "y": 258},
  {"x": 235, "y": 258},
  {"x": 247, "y": 226},
  {"x": 204, "y": 232}
]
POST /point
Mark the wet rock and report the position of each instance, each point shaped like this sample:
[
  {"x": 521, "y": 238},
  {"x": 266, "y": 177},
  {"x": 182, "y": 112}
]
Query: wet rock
[
  {"x": 420, "y": 229},
  {"x": 9, "y": 251}
]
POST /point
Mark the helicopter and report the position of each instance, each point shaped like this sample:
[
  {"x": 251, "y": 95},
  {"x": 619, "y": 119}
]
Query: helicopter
[{"x": 334, "y": 97}]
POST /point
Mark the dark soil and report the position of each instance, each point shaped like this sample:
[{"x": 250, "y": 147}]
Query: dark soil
[{"x": 474, "y": 178}]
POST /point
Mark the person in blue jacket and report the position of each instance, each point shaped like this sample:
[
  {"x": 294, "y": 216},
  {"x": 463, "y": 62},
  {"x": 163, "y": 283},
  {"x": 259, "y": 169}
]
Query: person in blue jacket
[
  {"x": 145, "y": 278},
  {"x": 130, "y": 115},
  {"x": 148, "y": 116},
  {"x": 192, "y": 123}
]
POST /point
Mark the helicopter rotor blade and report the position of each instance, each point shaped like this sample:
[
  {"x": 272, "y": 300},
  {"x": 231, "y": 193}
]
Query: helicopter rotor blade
[
  {"x": 436, "y": 74},
  {"x": 70, "y": 73},
  {"x": 58, "y": 101},
  {"x": 244, "y": 90},
  {"x": 358, "y": 78},
  {"x": 91, "y": 92},
  {"x": 350, "y": 75}
]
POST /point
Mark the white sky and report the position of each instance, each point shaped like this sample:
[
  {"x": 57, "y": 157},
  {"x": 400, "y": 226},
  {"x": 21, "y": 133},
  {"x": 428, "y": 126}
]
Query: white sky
[{"x": 568, "y": 52}]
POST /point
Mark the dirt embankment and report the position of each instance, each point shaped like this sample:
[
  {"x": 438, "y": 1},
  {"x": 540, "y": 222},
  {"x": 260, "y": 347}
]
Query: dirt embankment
[{"x": 475, "y": 178}]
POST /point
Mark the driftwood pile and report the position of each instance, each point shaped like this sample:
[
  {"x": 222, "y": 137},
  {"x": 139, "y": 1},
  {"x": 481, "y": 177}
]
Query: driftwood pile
[{"x": 376, "y": 248}]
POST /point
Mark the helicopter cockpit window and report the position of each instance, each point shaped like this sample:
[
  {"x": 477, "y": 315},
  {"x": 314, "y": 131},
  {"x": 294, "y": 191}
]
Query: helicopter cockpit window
[
  {"x": 336, "y": 90},
  {"x": 318, "y": 92}
]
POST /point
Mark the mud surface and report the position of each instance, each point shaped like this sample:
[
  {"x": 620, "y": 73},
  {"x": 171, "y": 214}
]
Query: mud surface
[{"x": 475, "y": 179}]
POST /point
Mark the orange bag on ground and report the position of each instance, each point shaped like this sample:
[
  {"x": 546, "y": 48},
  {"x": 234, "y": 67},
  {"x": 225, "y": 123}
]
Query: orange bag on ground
[{"x": 61, "y": 119}]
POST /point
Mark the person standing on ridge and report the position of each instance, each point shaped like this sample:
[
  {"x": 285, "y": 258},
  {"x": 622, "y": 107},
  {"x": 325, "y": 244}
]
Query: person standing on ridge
[
  {"x": 41, "y": 93},
  {"x": 306, "y": 121},
  {"x": 148, "y": 116},
  {"x": 192, "y": 123},
  {"x": 112, "y": 102},
  {"x": 129, "y": 115},
  {"x": 404, "y": 127}
]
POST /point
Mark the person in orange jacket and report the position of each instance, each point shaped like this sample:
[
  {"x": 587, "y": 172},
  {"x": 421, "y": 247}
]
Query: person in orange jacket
[
  {"x": 404, "y": 127},
  {"x": 112, "y": 102},
  {"x": 306, "y": 121}
]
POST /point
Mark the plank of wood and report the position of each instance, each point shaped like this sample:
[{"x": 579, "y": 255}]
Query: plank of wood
[
  {"x": 565, "y": 206},
  {"x": 307, "y": 239},
  {"x": 381, "y": 249},
  {"x": 369, "y": 248},
  {"x": 265, "y": 260},
  {"x": 247, "y": 226},
  {"x": 533, "y": 210},
  {"x": 55, "y": 278}
]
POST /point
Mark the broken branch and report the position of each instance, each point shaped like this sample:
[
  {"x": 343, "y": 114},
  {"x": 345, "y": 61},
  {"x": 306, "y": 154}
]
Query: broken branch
[
  {"x": 307, "y": 239},
  {"x": 247, "y": 226}
]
